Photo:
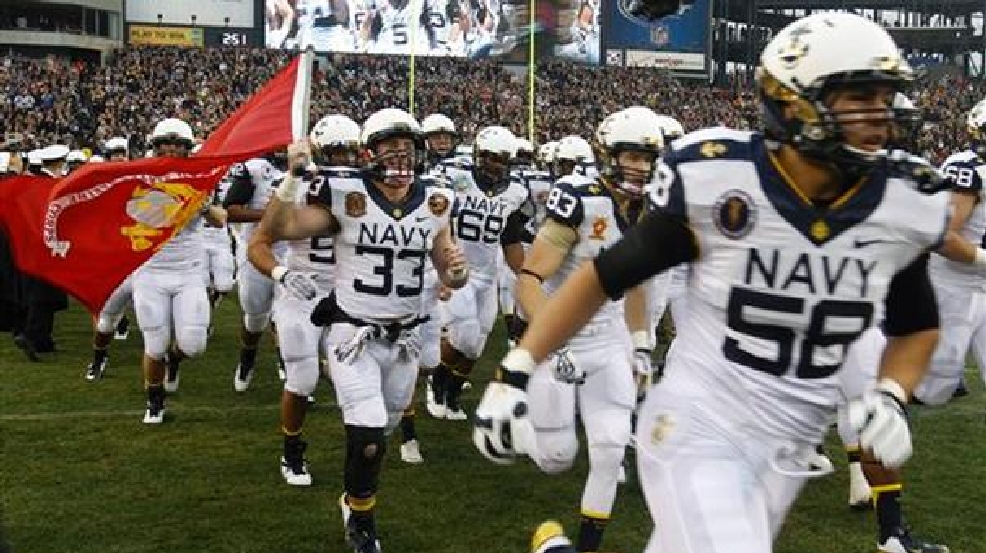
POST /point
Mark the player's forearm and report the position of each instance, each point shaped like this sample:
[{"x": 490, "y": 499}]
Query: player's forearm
[
  {"x": 260, "y": 252},
  {"x": 530, "y": 295},
  {"x": 215, "y": 215},
  {"x": 568, "y": 310},
  {"x": 243, "y": 214},
  {"x": 906, "y": 358},
  {"x": 958, "y": 249}
]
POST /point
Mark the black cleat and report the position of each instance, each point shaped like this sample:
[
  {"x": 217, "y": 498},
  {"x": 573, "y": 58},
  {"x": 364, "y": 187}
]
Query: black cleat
[
  {"x": 24, "y": 344},
  {"x": 96, "y": 369}
]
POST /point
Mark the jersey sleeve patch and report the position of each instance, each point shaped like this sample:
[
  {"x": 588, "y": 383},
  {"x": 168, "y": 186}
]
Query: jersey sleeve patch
[{"x": 564, "y": 205}]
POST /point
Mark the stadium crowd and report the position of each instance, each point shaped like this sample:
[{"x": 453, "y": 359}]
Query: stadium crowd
[{"x": 80, "y": 105}]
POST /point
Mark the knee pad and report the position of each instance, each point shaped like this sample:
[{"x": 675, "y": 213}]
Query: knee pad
[
  {"x": 606, "y": 458},
  {"x": 106, "y": 322},
  {"x": 365, "y": 447},
  {"x": 256, "y": 323},
  {"x": 192, "y": 339},
  {"x": 223, "y": 282},
  {"x": 156, "y": 341},
  {"x": 302, "y": 375},
  {"x": 556, "y": 450}
]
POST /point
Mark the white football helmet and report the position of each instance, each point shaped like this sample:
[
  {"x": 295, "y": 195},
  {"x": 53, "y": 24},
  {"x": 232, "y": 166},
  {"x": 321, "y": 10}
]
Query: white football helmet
[
  {"x": 907, "y": 119},
  {"x": 572, "y": 152},
  {"x": 492, "y": 151},
  {"x": 336, "y": 140},
  {"x": 393, "y": 169},
  {"x": 637, "y": 130},
  {"x": 671, "y": 128},
  {"x": 174, "y": 131},
  {"x": 524, "y": 152},
  {"x": 813, "y": 56},
  {"x": 546, "y": 154},
  {"x": 440, "y": 134},
  {"x": 116, "y": 144}
]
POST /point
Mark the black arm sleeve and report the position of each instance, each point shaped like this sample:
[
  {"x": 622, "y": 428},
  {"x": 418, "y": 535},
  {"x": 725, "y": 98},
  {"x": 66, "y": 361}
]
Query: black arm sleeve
[
  {"x": 657, "y": 243},
  {"x": 240, "y": 191},
  {"x": 911, "y": 305},
  {"x": 514, "y": 231}
]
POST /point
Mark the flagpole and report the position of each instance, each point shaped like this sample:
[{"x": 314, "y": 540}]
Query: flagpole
[
  {"x": 530, "y": 72},
  {"x": 301, "y": 103}
]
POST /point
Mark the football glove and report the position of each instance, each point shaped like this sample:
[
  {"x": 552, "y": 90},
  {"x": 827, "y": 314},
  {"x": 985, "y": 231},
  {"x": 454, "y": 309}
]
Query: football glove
[
  {"x": 880, "y": 418},
  {"x": 297, "y": 284},
  {"x": 502, "y": 429}
]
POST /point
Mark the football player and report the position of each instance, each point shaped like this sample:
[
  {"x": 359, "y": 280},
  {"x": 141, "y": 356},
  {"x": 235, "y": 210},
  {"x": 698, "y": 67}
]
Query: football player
[
  {"x": 595, "y": 370},
  {"x": 219, "y": 248},
  {"x": 384, "y": 222},
  {"x": 169, "y": 290},
  {"x": 573, "y": 155},
  {"x": 253, "y": 186},
  {"x": 958, "y": 275},
  {"x": 279, "y": 20},
  {"x": 389, "y": 29},
  {"x": 441, "y": 138},
  {"x": 324, "y": 25},
  {"x": 112, "y": 320},
  {"x": 305, "y": 275},
  {"x": 812, "y": 239},
  {"x": 491, "y": 209}
]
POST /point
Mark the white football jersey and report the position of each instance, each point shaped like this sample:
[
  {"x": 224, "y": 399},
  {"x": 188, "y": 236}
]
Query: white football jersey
[
  {"x": 588, "y": 207},
  {"x": 396, "y": 34},
  {"x": 538, "y": 185},
  {"x": 966, "y": 171},
  {"x": 184, "y": 252},
  {"x": 217, "y": 237},
  {"x": 263, "y": 177},
  {"x": 381, "y": 247},
  {"x": 315, "y": 254},
  {"x": 479, "y": 217},
  {"x": 780, "y": 288}
]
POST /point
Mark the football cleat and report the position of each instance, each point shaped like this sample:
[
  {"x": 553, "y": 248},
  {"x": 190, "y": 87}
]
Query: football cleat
[
  {"x": 242, "y": 377},
  {"x": 122, "y": 329},
  {"x": 95, "y": 370},
  {"x": 154, "y": 414},
  {"x": 171, "y": 375},
  {"x": 433, "y": 403},
  {"x": 411, "y": 452},
  {"x": 860, "y": 495},
  {"x": 550, "y": 538},
  {"x": 294, "y": 466},
  {"x": 359, "y": 541},
  {"x": 901, "y": 541}
]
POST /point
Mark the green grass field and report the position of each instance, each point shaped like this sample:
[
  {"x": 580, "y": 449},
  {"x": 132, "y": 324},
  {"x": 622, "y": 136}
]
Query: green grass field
[{"x": 81, "y": 473}]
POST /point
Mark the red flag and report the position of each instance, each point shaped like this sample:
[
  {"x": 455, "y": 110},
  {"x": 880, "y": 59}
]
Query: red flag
[
  {"x": 96, "y": 231},
  {"x": 275, "y": 115}
]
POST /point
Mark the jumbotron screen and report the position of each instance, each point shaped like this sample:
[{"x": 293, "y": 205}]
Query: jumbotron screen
[{"x": 458, "y": 28}]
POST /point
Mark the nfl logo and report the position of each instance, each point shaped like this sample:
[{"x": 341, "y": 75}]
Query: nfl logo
[
  {"x": 614, "y": 58},
  {"x": 660, "y": 36}
]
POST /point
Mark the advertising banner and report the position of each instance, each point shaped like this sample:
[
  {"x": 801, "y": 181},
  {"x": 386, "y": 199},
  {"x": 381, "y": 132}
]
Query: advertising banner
[
  {"x": 146, "y": 35},
  {"x": 678, "y": 41}
]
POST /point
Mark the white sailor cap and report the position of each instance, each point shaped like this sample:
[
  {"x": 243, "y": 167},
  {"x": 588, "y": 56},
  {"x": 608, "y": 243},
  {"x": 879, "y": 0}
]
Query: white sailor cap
[
  {"x": 76, "y": 156},
  {"x": 54, "y": 152}
]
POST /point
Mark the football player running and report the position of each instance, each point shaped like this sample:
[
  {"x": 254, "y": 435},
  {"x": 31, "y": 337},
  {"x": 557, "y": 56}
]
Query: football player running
[
  {"x": 169, "y": 289},
  {"x": 812, "y": 239},
  {"x": 595, "y": 370},
  {"x": 112, "y": 320},
  {"x": 490, "y": 213},
  {"x": 305, "y": 275},
  {"x": 384, "y": 223},
  {"x": 253, "y": 186}
]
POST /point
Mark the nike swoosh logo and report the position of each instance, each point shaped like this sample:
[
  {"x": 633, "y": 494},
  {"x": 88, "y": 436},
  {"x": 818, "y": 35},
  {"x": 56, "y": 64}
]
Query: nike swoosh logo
[{"x": 864, "y": 243}]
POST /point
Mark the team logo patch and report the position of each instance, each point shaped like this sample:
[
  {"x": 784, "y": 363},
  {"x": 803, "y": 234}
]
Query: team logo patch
[
  {"x": 734, "y": 214},
  {"x": 599, "y": 228},
  {"x": 355, "y": 204},
  {"x": 438, "y": 204},
  {"x": 662, "y": 427},
  {"x": 713, "y": 149}
]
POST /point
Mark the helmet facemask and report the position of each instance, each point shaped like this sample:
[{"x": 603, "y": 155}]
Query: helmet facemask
[
  {"x": 441, "y": 144},
  {"x": 628, "y": 168},
  {"x": 491, "y": 170},
  {"x": 395, "y": 159}
]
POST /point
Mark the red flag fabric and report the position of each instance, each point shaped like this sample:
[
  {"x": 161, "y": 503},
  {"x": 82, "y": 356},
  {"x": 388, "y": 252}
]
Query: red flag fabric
[
  {"x": 87, "y": 232},
  {"x": 90, "y": 234},
  {"x": 271, "y": 116}
]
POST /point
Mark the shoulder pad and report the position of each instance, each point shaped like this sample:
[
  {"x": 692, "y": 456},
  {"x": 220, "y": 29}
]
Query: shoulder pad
[
  {"x": 918, "y": 172},
  {"x": 711, "y": 144},
  {"x": 564, "y": 204}
]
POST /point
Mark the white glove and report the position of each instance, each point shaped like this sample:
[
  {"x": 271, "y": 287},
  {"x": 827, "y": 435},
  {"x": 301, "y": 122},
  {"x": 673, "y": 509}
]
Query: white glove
[
  {"x": 879, "y": 418},
  {"x": 566, "y": 368},
  {"x": 299, "y": 285},
  {"x": 502, "y": 428},
  {"x": 643, "y": 365}
]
